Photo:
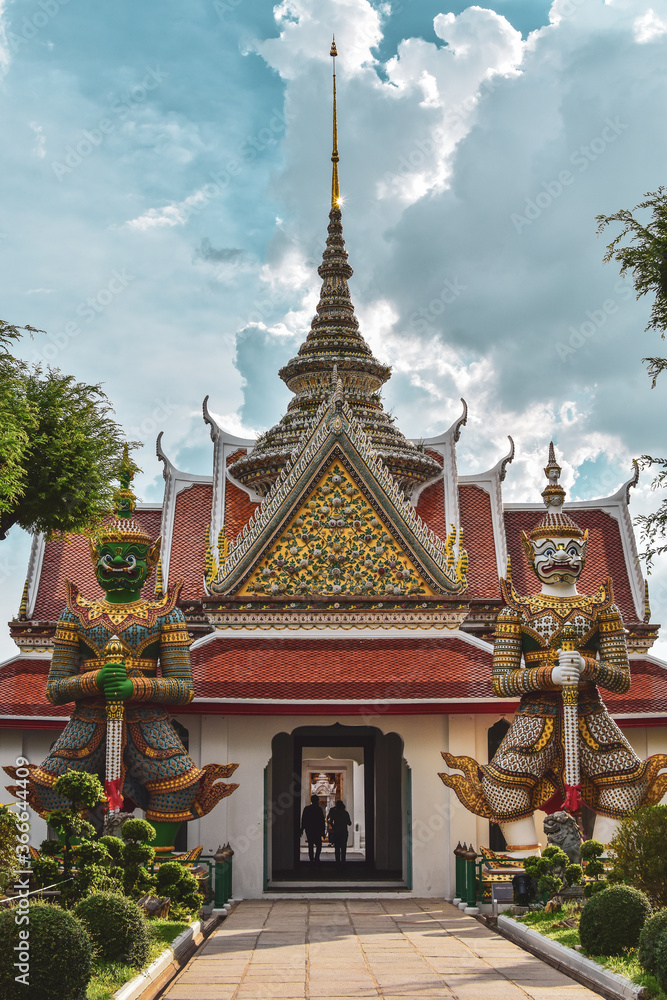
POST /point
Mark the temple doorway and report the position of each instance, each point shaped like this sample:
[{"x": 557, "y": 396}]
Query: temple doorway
[{"x": 360, "y": 766}]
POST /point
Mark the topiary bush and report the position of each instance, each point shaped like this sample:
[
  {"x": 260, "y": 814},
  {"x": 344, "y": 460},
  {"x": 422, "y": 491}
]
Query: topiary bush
[
  {"x": 612, "y": 920},
  {"x": 591, "y": 888},
  {"x": 653, "y": 931},
  {"x": 181, "y": 887},
  {"x": 552, "y": 870},
  {"x": 137, "y": 880},
  {"x": 116, "y": 927},
  {"x": 58, "y": 965}
]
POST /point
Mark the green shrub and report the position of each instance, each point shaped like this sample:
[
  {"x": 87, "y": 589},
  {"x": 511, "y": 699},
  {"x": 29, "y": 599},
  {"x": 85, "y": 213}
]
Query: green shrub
[
  {"x": 574, "y": 875},
  {"x": 556, "y": 856},
  {"x": 653, "y": 930},
  {"x": 50, "y": 848},
  {"x": 114, "y": 846},
  {"x": 639, "y": 855},
  {"x": 660, "y": 961},
  {"x": 137, "y": 830},
  {"x": 137, "y": 880},
  {"x": 9, "y": 839},
  {"x": 117, "y": 928},
  {"x": 552, "y": 870},
  {"x": 46, "y": 871},
  {"x": 59, "y": 955},
  {"x": 612, "y": 920},
  {"x": 592, "y": 887},
  {"x": 591, "y": 849},
  {"x": 181, "y": 887}
]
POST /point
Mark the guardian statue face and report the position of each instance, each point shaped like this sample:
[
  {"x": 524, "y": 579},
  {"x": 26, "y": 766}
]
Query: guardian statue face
[
  {"x": 123, "y": 566},
  {"x": 558, "y": 559}
]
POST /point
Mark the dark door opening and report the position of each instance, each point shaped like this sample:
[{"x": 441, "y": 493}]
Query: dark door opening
[
  {"x": 365, "y": 768},
  {"x": 495, "y": 736}
]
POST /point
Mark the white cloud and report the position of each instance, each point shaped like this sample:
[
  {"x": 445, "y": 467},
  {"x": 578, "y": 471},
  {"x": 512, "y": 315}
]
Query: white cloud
[
  {"x": 648, "y": 27},
  {"x": 306, "y": 30},
  {"x": 175, "y": 214}
]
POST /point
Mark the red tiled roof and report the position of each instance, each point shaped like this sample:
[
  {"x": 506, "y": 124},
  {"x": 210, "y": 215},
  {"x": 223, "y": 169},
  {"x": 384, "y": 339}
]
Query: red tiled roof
[
  {"x": 238, "y": 510},
  {"x": 337, "y": 669},
  {"x": 69, "y": 559},
  {"x": 23, "y": 689},
  {"x": 648, "y": 691},
  {"x": 479, "y": 543},
  {"x": 188, "y": 545},
  {"x": 369, "y": 670},
  {"x": 431, "y": 508},
  {"x": 604, "y": 558}
]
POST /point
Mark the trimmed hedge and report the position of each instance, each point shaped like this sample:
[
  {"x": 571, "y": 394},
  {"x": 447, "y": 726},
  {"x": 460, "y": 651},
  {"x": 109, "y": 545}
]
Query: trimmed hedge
[
  {"x": 59, "y": 954},
  {"x": 653, "y": 931},
  {"x": 612, "y": 920},
  {"x": 117, "y": 928}
]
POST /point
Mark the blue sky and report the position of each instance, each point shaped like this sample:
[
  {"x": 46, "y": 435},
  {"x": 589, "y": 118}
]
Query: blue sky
[{"x": 165, "y": 183}]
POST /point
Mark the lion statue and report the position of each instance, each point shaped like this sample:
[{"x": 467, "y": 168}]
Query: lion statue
[{"x": 562, "y": 831}]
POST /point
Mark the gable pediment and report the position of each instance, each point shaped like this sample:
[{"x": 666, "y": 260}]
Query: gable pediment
[{"x": 336, "y": 524}]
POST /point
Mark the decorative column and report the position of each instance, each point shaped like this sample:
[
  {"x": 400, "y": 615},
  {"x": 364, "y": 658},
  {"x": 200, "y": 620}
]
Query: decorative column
[
  {"x": 460, "y": 874},
  {"x": 471, "y": 881}
]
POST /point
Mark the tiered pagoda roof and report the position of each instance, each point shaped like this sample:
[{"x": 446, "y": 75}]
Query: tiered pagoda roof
[
  {"x": 334, "y": 342},
  {"x": 333, "y": 593}
]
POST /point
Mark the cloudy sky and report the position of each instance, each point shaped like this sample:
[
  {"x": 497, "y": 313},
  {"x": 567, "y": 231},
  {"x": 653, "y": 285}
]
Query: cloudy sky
[{"x": 164, "y": 203}]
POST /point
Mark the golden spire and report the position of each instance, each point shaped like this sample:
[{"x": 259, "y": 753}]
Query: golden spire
[{"x": 335, "y": 190}]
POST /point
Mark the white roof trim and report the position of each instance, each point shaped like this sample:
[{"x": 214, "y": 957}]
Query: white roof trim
[
  {"x": 490, "y": 482},
  {"x": 175, "y": 482},
  {"x": 343, "y": 634},
  {"x": 35, "y": 571}
]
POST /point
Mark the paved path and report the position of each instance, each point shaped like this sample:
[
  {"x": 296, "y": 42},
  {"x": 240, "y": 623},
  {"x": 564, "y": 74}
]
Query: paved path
[{"x": 391, "y": 949}]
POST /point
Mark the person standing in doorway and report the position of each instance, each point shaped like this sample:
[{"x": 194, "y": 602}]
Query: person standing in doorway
[
  {"x": 314, "y": 826},
  {"x": 339, "y": 820}
]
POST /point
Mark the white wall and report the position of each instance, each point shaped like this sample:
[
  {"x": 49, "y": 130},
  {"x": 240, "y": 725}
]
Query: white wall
[
  {"x": 438, "y": 818},
  {"x": 248, "y": 739},
  {"x": 33, "y": 745}
]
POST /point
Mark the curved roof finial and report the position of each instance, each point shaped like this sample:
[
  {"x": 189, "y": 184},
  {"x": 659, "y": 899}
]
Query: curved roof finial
[{"x": 335, "y": 189}]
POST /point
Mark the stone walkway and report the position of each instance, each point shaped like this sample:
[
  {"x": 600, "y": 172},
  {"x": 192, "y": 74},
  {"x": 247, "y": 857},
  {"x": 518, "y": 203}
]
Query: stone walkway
[{"x": 390, "y": 949}]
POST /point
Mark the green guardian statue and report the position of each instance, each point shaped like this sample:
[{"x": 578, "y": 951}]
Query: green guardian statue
[{"x": 124, "y": 661}]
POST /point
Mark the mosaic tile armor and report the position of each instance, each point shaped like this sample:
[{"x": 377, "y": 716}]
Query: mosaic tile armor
[
  {"x": 121, "y": 698},
  {"x": 528, "y": 771},
  {"x": 159, "y": 775}
]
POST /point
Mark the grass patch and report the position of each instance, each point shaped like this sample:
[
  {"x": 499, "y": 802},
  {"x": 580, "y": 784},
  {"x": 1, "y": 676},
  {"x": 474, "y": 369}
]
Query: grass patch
[
  {"x": 626, "y": 964},
  {"x": 110, "y": 976}
]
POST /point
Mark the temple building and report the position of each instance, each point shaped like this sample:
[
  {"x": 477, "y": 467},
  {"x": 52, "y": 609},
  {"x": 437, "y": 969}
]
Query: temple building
[{"x": 340, "y": 585}]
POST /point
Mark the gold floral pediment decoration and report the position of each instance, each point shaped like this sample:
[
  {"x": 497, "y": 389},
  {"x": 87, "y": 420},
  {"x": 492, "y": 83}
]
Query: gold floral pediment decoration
[{"x": 336, "y": 544}]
